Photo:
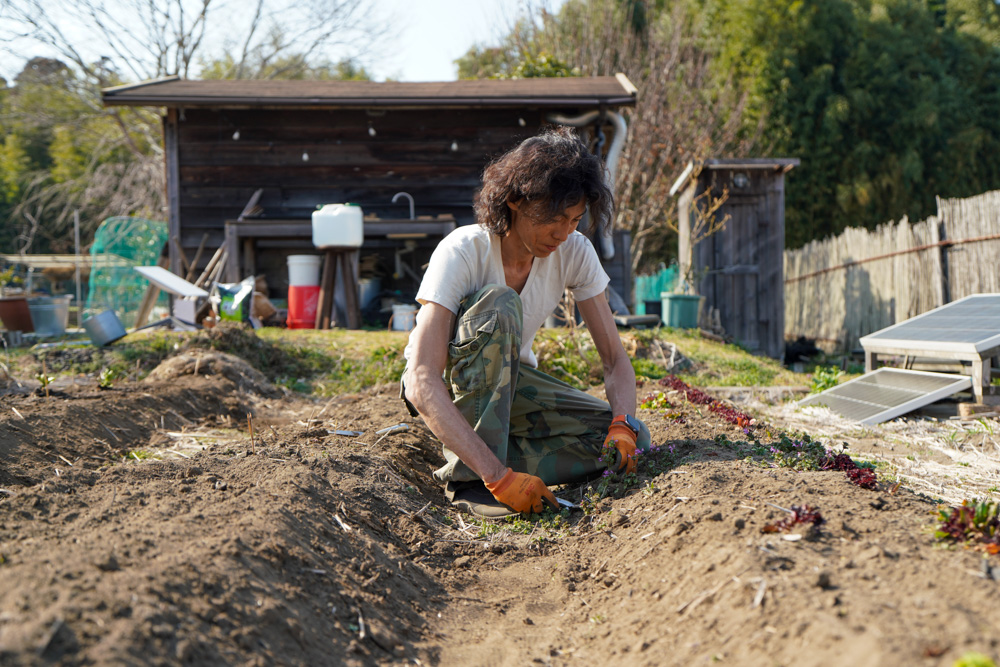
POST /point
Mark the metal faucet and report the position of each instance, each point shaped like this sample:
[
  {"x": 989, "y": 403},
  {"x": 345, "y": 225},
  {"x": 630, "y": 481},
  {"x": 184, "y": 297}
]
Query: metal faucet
[{"x": 408, "y": 196}]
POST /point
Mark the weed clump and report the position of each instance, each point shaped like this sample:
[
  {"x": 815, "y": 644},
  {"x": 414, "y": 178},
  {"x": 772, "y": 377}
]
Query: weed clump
[{"x": 973, "y": 523}]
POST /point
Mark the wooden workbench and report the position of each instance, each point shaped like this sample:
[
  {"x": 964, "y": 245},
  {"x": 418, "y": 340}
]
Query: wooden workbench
[{"x": 241, "y": 236}]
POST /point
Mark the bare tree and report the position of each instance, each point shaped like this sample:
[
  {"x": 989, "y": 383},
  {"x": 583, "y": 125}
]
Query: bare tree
[
  {"x": 109, "y": 42},
  {"x": 683, "y": 112},
  {"x": 114, "y": 40}
]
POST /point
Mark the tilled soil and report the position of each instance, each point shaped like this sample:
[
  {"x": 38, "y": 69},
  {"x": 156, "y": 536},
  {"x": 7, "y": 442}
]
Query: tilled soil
[{"x": 320, "y": 541}]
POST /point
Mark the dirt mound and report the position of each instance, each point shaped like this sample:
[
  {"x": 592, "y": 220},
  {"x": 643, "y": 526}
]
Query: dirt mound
[
  {"x": 211, "y": 362},
  {"x": 80, "y": 425},
  {"x": 321, "y": 540}
]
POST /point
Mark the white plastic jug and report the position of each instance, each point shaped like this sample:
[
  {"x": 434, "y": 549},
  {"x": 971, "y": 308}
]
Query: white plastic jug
[{"x": 338, "y": 225}]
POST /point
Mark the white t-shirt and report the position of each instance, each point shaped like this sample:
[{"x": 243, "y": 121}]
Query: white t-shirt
[{"x": 469, "y": 258}]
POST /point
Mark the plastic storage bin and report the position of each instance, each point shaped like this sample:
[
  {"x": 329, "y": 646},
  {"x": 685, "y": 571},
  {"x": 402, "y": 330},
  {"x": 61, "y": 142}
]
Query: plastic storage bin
[
  {"x": 680, "y": 310},
  {"x": 338, "y": 225}
]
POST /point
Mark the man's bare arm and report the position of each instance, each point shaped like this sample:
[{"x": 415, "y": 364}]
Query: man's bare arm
[
  {"x": 619, "y": 376},
  {"x": 426, "y": 390}
]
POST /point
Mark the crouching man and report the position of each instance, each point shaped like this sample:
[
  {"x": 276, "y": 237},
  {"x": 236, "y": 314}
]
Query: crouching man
[{"x": 509, "y": 430}]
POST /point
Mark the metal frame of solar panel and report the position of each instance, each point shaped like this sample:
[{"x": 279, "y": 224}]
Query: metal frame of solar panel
[
  {"x": 968, "y": 325},
  {"x": 965, "y": 330},
  {"x": 887, "y": 393}
]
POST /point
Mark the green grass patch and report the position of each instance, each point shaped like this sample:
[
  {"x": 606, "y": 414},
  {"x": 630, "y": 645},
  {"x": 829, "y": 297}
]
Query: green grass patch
[{"x": 337, "y": 361}]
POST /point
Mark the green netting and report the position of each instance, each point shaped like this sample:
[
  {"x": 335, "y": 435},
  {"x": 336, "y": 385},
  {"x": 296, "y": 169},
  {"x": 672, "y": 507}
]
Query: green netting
[
  {"x": 120, "y": 244},
  {"x": 648, "y": 288}
]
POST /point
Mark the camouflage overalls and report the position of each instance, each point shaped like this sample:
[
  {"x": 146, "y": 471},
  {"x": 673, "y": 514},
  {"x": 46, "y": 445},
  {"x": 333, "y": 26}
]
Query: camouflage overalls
[{"x": 537, "y": 425}]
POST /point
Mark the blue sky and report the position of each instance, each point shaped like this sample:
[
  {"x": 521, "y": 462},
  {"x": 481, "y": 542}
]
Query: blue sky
[{"x": 433, "y": 33}]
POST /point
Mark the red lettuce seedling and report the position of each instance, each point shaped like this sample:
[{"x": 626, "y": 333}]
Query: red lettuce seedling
[
  {"x": 799, "y": 514},
  {"x": 863, "y": 477},
  {"x": 698, "y": 397}
]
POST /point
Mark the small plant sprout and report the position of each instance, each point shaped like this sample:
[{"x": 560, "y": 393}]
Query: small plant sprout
[
  {"x": 825, "y": 378},
  {"x": 46, "y": 380},
  {"x": 105, "y": 378}
]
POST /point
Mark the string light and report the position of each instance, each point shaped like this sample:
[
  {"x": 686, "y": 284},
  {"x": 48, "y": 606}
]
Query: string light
[
  {"x": 305, "y": 156},
  {"x": 454, "y": 146},
  {"x": 236, "y": 135}
]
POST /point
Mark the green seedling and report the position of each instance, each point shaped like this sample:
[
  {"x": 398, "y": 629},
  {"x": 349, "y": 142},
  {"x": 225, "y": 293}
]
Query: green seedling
[
  {"x": 46, "y": 380},
  {"x": 105, "y": 378},
  {"x": 825, "y": 378},
  {"x": 973, "y": 659}
]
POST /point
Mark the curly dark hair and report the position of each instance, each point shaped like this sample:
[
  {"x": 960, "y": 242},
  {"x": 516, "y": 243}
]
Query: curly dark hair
[{"x": 549, "y": 172}]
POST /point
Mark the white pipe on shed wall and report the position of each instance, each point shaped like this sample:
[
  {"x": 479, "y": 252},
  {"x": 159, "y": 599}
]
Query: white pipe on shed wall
[{"x": 614, "y": 153}]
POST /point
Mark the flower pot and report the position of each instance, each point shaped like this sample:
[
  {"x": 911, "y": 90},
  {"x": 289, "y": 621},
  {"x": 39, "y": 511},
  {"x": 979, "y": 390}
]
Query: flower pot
[
  {"x": 680, "y": 310},
  {"x": 15, "y": 314}
]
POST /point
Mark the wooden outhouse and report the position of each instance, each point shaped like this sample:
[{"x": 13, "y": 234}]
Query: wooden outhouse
[
  {"x": 302, "y": 144},
  {"x": 739, "y": 268}
]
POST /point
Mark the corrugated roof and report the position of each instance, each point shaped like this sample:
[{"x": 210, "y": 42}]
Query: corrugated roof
[{"x": 554, "y": 92}]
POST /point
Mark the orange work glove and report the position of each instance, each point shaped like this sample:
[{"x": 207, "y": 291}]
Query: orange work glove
[
  {"x": 522, "y": 492},
  {"x": 622, "y": 438}
]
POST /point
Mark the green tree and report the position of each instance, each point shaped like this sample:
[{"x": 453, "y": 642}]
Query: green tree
[{"x": 886, "y": 104}]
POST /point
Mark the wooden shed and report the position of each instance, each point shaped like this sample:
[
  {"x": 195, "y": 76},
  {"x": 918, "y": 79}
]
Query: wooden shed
[
  {"x": 303, "y": 144},
  {"x": 738, "y": 269}
]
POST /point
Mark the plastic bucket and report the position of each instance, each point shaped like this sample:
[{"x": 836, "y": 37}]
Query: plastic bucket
[
  {"x": 303, "y": 269},
  {"x": 404, "y": 317},
  {"x": 50, "y": 314},
  {"x": 680, "y": 310},
  {"x": 368, "y": 289},
  {"x": 103, "y": 328},
  {"x": 303, "y": 301}
]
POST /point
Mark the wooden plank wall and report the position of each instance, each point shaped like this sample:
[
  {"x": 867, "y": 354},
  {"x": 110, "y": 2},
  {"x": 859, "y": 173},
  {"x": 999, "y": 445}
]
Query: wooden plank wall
[
  {"x": 304, "y": 158},
  {"x": 845, "y": 287},
  {"x": 308, "y": 157},
  {"x": 743, "y": 260}
]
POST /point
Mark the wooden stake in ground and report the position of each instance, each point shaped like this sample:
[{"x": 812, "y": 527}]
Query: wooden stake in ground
[{"x": 253, "y": 447}]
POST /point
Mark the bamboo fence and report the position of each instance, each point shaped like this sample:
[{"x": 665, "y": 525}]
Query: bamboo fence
[{"x": 842, "y": 288}]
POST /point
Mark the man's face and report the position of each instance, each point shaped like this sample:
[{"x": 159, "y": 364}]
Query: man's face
[{"x": 540, "y": 236}]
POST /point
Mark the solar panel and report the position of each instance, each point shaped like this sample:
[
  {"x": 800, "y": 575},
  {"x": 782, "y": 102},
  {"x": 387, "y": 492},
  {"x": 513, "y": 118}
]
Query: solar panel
[
  {"x": 887, "y": 393},
  {"x": 968, "y": 325}
]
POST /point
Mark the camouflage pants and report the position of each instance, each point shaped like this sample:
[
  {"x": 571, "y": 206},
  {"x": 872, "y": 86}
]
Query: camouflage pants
[{"x": 532, "y": 422}]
